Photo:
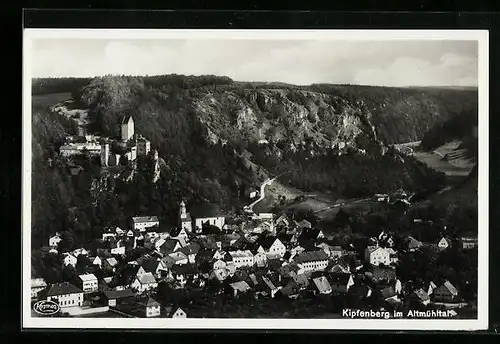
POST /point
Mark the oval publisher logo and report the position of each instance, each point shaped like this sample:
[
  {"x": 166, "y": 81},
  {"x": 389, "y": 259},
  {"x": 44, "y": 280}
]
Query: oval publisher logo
[{"x": 46, "y": 307}]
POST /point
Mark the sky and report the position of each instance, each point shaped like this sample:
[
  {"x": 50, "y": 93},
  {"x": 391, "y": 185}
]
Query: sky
[{"x": 384, "y": 63}]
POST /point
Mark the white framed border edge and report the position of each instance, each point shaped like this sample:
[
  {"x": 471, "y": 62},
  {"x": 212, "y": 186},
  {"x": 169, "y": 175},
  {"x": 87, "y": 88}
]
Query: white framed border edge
[{"x": 481, "y": 323}]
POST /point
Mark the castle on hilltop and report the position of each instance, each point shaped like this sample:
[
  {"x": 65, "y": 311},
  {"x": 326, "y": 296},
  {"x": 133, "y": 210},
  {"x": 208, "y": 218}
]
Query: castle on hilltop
[{"x": 134, "y": 144}]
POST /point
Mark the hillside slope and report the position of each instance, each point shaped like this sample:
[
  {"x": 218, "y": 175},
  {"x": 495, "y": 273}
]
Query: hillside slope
[{"x": 217, "y": 138}]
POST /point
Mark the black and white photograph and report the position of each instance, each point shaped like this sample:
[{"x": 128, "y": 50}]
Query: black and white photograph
[{"x": 255, "y": 179}]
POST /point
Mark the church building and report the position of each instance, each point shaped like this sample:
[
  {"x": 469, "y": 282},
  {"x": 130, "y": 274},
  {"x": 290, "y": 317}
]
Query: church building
[{"x": 204, "y": 214}]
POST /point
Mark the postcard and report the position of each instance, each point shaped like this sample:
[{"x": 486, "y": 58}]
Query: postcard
[{"x": 255, "y": 179}]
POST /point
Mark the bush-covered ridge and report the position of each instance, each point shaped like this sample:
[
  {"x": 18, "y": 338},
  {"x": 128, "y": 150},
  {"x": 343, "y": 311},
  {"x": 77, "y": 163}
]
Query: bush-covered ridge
[{"x": 207, "y": 131}]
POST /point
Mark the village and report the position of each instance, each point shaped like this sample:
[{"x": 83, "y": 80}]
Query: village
[{"x": 226, "y": 257}]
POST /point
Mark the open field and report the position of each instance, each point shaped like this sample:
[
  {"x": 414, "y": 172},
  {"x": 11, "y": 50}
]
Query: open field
[
  {"x": 433, "y": 160},
  {"x": 44, "y": 100},
  {"x": 272, "y": 192}
]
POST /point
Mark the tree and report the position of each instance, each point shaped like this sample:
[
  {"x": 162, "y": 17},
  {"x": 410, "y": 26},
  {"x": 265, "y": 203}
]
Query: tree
[
  {"x": 68, "y": 273},
  {"x": 67, "y": 242}
]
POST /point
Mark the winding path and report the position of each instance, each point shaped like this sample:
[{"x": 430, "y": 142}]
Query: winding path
[{"x": 249, "y": 208}]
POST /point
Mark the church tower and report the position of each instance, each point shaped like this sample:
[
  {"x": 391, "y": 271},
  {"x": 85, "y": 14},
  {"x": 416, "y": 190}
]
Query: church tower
[
  {"x": 182, "y": 210},
  {"x": 185, "y": 218}
]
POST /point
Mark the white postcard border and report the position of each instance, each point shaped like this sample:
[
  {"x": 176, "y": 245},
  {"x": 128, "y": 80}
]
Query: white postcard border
[{"x": 481, "y": 323}]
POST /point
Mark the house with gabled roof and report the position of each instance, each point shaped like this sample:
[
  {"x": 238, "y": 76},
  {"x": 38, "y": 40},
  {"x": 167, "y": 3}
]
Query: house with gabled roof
[
  {"x": 141, "y": 223},
  {"x": 310, "y": 235},
  {"x": 183, "y": 273},
  {"x": 322, "y": 285},
  {"x": 413, "y": 244},
  {"x": 338, "y": 266},
  {"x": 420, "y": 296},
  {"x": 431, "y": 287},
  {"x": 219, "y": 274},
  {"x": 180, "y": 234},
  {"x": 65, "y": 295},
  {"x": 242, "y": 258},
  {"x": 268, "y": 286},
  {"x": 151, "y": 308},
  {"x": 444, "y": 243},
  {"x": 37, "y": 285},
  {"x": 376, "y": 255},
  {"x": 468, "y": 242},
  {"x": 144, "y": 282},
  {"x": 445, "y": 293},
  {"x": 179, "y": 314},
  {"x": 169, "y": 246},
  {"x": 239, "y": 287},
  {"x": 311, "y": 260},
  {"x": 282, "y": 221},
  {"x": 88, "y": 283},
  {"x": 290, "y": 290},
  {"x": 55, "y": 240},
  {"x": 69, "y": 259},
  {"x": 190, "y": 251},
  {"x": 305, "y": 224},
  {"x": 271, "y": 246},
  {"x": 179, "y": 258},
  {"x": 110, "y": 264},
  {"x": 115, "y": 297}
]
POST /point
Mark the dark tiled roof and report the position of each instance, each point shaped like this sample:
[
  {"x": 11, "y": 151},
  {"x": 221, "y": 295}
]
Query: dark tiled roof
[
  {"x": 310, "y": 256},
  {"x": 205, "y": 210},
  {"x": 205, "y": 254},
  {"x": 190, "y": 249},
  {"x": 175, "y": 231},
  {"x": 149, "y": 265},
  {"x": 186, "y": 269},
  {"x": 387, "y": 292},
  {"x": 305, "y": 223},
  {"x": 381, "y": 273},
  {"x": 152, "y": 303},
  {"x": 266, "y": 241},
  {"x": 63, "y": 289},
  {"x": 168, "y": 246},
  {"x": 119, "y": 294},
  {"x": 339, "y": 278}
]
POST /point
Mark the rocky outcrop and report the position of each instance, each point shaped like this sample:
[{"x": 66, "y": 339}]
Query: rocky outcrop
[{"x": 274, "y": 115}]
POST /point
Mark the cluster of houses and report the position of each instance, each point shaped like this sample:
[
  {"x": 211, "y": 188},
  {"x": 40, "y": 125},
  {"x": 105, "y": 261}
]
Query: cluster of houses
[{"x": 262, "y": 254}]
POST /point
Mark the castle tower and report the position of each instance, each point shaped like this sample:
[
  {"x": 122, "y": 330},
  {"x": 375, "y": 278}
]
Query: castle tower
[
  {"x": 127, "y": 128},
  {"x": 143, "y": 146},
  {"x": 104, "y": 154},
  {"x": 133, "y": 153}
]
